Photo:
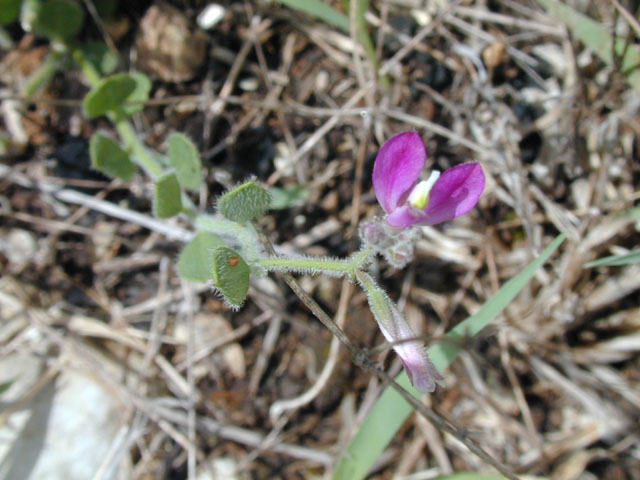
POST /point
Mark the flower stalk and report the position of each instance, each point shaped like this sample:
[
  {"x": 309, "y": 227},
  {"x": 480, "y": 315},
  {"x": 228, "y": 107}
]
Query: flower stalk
[{"x": 396, "y": 329}]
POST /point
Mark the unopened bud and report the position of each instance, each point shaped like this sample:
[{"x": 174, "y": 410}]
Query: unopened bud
[{"x": 400, "y": 254}]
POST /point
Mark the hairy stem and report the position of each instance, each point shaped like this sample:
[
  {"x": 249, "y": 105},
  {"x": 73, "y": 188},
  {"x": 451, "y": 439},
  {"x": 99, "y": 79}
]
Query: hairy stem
[
  {"x": 318, "y": 265},
  {"x": 45, "y": 71},
  {"x": 246, "y": 237},
  {"x": 362, "y": 359}
]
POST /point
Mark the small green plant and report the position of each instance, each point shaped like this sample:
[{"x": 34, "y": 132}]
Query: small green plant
[
  {"x": 60, "y": 22},
  {"x": 226, "y": 250}
]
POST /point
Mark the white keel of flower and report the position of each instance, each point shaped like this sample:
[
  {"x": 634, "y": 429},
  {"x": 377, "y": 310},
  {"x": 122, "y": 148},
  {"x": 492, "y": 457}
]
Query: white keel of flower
[{"x": 419, "y": 196}]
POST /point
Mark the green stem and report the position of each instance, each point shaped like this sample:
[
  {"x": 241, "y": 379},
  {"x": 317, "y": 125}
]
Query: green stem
[
  {"x": 45, "y": 71},
  {"x": 129, "y": 137},
  {"x": 338, "y": 267},
  {"x": 128, "y": 134},
  {"x": 246, "y": 237},
  {"x": 123, "y": 126},
  {"x": 90, "y": 73}
]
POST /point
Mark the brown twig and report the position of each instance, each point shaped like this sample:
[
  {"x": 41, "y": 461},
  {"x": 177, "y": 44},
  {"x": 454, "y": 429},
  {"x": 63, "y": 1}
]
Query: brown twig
[{"x": 362, "y": 360}]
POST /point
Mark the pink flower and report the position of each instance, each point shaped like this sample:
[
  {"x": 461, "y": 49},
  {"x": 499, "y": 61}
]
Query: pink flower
[
  {"x": 395, "y": 328},
  {"x": 421, "y": 371},
  {"x": 408, "y": 202}
]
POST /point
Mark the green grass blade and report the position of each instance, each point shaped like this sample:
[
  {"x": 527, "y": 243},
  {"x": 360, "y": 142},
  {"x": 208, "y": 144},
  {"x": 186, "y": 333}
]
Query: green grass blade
[
  {"x": 328, "y": 14},
  {"x": 481, "y": 476},
  {"x": 615, "y": 260},
  {"x": 321, "y": 11},
  {"x": 391, "y": 410},
  {"x": 470, "y": 476},
  {"x": 598, "y": 38}
]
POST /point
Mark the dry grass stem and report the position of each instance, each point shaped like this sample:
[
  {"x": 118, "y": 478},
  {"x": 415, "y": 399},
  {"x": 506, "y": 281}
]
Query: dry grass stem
[{"x": 90, "y": 294}]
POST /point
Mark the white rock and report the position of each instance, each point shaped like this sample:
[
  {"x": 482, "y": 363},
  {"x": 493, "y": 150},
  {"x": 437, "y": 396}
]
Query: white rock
[
  {"x": 65, "y": 429},
  {"x": 20, "y": 246},
  {"x": 210, "y": 16}
]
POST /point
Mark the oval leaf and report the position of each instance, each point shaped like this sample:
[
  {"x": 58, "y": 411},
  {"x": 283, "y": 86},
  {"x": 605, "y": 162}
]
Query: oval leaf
[
  {"x": 58, "y": 19},
  {"x": 244, "y": 203},
  {"x": 167, "y": 200},
  {"x": 109, "y": 94},
  {"x": 183, "y": 156},
  {"x": 196, "y": 260},
  {"x": 139, "y": 95},
  {"x": 231, "y": 276},
  {"x": 109, "y": 158}
]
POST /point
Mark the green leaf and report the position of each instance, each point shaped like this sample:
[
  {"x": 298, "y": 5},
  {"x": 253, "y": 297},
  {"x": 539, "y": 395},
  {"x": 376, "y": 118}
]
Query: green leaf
[
  {"x": 196, "y": 259},
  {"x": 58, "y": 19},
  {"x": 167, "y": 200},
  {"x": 9, "y": 11},
  {"x": 321, "y": 11},
  {"x": 231, "y": 276},
  {"x": 111, "y": 93},
  {"x": 391, "y": 410},
  {"x": 109, "y": 158},
  {"x": 288, "y": 196},
  {"x": 98, "y": 54},
  {"x": 244, "y": 203},
  {"x": 615, "y": 260},
  {"x": 599, "y": 39},
  {"x": 139, "y": 95},
  {"x": 185, "y": 160},
  {"x": 477, "y": 476}
]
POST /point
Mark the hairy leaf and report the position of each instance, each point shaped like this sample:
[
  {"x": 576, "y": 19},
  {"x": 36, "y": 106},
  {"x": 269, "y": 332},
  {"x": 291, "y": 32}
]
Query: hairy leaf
[{"x": 109, "y": 158}]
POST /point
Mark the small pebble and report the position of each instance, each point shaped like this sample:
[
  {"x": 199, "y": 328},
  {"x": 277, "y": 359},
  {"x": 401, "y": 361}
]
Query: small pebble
[
  {"x": 249, "y": 84},
  {"x": 210, "y": 16}
]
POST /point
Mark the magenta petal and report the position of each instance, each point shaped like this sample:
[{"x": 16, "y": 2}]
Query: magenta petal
[
  {"x": 420, "y": 369},
  {"x": 404, "y": 217},
  {"x": 455, "y": 193},
  {"x": 397, "y": 168}
]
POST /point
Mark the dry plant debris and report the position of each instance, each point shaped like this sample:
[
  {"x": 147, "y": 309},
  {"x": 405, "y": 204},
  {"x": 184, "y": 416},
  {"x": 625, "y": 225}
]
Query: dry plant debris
[{"x": 90, "y": 299}]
